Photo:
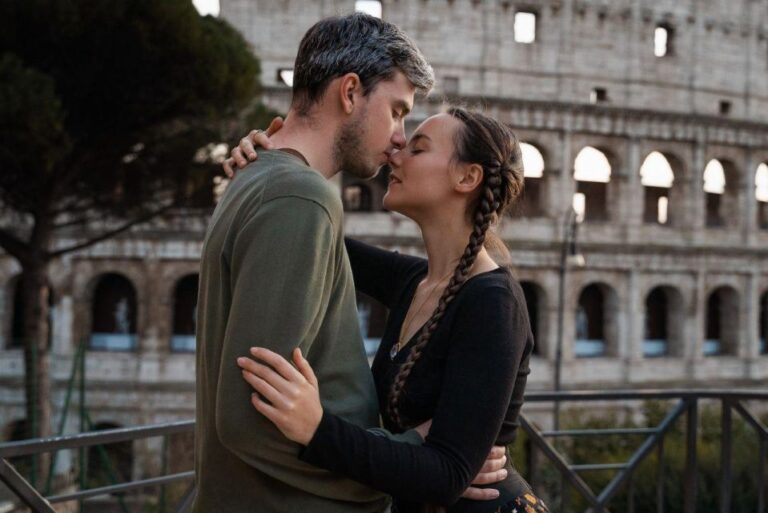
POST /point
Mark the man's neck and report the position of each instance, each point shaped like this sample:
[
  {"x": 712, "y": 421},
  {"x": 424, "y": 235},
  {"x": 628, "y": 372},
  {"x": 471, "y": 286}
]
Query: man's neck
[{"x": 315, "y": 144}]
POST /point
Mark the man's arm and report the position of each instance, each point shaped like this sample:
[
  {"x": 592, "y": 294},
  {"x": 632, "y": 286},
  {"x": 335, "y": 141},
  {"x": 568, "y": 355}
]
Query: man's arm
[{"x": 283, "y": 264}]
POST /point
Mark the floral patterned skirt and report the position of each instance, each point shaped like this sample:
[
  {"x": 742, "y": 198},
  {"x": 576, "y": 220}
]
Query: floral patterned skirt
[{"x": 526, "y": 503}]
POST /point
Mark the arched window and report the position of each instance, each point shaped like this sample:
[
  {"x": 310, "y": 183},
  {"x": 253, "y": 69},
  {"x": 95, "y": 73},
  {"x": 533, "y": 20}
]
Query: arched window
[
  {"x": 534, "y": 300},
  {"x": 722, "y": 322},
  {"x": 114, "y": 314},
  {"x": 529, "y": 204},
  {"x": 763, "y": 329},
  {"x": 663, "y": 323},
  {"x": 714, "y": 187},
  {"x": 761, "y": 194},
  {"x": 18, "y": 331},
  {"x": 657, "y": 177},
  {"x": 357, "y": 198},
  {"x": 184, "y": 314},
  {"x": 590, "y": 323},
  {"x": 110, "y": 463},
  {"x": 372, "y": 7},
  {"x": 372, "y": 317},
  {"x": 592, "y": 172}
]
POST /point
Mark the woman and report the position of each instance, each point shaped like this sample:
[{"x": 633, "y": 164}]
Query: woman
[{"x": 457, "y": 342}]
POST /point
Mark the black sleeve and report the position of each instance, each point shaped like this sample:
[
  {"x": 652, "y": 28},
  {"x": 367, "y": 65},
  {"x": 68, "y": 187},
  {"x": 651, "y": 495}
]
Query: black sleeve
[
  {"x": 379, "y": 273},
  {"x": 488, "y": 342}
]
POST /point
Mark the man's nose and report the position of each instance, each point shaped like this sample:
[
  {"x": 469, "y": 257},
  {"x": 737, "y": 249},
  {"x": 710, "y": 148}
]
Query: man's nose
[{"x": 398, "y": 138}]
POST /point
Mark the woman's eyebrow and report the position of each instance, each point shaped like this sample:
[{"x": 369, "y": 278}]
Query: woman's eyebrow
[{"x": 417, "y": 137}]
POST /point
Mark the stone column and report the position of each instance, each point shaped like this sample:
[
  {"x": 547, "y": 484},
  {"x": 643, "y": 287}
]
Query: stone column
[
  {"x": 632, "y": 188},
  {"x": 632, "y": 349},
  {"x": 749, "y": 201},
  {"x": 694, "y": 351},
  {"x": 750, "y": 344},
  {"x": 696, "y": 204}
]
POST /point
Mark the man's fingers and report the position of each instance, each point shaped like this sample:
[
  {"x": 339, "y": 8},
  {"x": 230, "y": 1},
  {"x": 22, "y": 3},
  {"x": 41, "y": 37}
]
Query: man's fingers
[
  {"x": 480, "y": 494},
  {"x": 493, "y": 465},
  {"x": 278, "y": 363},
  {"x": 484, "y": 478}
]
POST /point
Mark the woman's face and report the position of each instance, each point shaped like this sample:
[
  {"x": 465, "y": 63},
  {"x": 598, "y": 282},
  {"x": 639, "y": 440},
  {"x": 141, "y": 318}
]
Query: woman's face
[{"x": 421, "y": 180}]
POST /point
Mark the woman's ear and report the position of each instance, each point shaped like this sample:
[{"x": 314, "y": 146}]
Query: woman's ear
[
  {"x": 349, "y": 90},
  {"x": 470, "y": 177}
]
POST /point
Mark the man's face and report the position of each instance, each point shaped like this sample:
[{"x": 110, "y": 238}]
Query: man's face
[{"x": 376, "y": 128}]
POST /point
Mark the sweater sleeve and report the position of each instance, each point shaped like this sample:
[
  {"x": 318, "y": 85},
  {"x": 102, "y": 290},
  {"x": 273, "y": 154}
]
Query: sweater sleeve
[
  {"x": 379, "y": 273},
  {"x": 266, "y": 284},
  {"x": 487, "y": 344}
]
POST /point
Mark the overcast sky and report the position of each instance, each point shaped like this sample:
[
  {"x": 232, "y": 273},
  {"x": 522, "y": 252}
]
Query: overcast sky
[{"x": 207, "y": 6}]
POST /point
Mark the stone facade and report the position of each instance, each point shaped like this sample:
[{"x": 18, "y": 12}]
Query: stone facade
[{"x": 707, "y": 99}]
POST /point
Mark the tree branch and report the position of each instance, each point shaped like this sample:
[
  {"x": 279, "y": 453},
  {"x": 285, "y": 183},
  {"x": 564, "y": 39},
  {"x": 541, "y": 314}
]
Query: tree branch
[
  {"x": 13, "y": 245},
  {"x": 111, "y": 233}
]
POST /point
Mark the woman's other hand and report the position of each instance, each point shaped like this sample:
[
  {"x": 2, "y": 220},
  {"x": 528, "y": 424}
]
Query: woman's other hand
[
  {"x": 245, "y": 152},
  {"x": 288, "y": 396}
]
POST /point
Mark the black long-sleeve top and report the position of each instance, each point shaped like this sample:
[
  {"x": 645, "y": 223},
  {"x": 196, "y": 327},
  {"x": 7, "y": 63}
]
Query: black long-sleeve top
[{"x": 470, "y": 380}]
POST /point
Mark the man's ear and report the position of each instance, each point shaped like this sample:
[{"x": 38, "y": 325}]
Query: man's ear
[
  {"x": 350, "y": 89},
  {"x": 470, "y": 177}
]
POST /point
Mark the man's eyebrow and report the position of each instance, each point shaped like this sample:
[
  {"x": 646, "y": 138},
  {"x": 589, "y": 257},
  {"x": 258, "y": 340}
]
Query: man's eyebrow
[{"x": 403, "y": 106}]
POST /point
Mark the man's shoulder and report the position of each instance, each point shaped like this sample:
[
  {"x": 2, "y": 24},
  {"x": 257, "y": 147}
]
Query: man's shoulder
[{"x": 289, "y": 178}]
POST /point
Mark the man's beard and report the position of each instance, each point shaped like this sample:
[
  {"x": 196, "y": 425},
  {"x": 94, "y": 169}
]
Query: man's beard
[{"x": 349, "y": 152}]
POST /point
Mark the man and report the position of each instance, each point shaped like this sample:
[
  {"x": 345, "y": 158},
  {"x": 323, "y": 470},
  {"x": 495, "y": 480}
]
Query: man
[{"x": 275, "y": 273}]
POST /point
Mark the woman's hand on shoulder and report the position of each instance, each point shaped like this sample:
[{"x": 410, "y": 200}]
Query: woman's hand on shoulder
[{"x": 245, "y": 151}]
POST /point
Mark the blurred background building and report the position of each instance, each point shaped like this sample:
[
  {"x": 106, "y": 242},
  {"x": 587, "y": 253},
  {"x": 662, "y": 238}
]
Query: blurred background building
[{"x": 641, "y": 241}]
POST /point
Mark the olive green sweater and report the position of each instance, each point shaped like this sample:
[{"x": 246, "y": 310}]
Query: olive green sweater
[{"x": 275, "y": 273}]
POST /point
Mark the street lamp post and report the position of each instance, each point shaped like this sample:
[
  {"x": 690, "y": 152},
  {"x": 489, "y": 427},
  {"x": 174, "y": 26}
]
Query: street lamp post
[{"x": 568, "y": 254}]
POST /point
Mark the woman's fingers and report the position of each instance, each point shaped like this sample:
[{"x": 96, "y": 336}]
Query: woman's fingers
[
  {"x": 277, "y": 362},
  {"x": 228, "y": 167},
  {"x": 263, "y": 388},
  {"x": 274, "y": 126},
  {"x": 304, "y": 367},
  {"x": 267, "y": 374},
  {"x": 266, "y": 409}
]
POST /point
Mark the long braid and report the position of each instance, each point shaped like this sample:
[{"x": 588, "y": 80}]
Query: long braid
[{"x": 488, "y": 207}]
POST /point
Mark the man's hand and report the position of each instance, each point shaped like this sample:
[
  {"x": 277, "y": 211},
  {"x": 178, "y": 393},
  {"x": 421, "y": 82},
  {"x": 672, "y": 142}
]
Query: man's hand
[{"x": 493, "y": 471}]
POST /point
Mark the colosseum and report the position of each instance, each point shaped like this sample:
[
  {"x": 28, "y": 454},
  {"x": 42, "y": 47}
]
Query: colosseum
[{"x": 641, "y": 242}]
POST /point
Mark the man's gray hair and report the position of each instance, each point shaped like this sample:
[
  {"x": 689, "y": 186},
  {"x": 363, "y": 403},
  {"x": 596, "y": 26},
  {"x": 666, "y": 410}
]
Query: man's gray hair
[{"x": 356, "y": 43}]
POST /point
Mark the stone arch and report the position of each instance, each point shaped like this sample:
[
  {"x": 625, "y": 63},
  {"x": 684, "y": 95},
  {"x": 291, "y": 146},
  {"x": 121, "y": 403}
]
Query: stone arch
[
  {"x": 184, "y": 313},
  {"x": 536, "y": 303},
  {"x": 592, "y": 170},
  {"x": 664, "y": 320},
  {"x": 657, "y": 178},
  {"x": 530, "y": 203},
  {"x": 721, "y": 189},
  {"x": 114, "y": 313},
  {"x": 358, "y": 197},
  {"x": 721, "y": 329},
  {"x": 597, "y": 313},
  {"x": 761, "y": 195}
]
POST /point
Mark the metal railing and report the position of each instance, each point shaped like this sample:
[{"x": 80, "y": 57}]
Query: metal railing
[{"x": 685, "y": 404}]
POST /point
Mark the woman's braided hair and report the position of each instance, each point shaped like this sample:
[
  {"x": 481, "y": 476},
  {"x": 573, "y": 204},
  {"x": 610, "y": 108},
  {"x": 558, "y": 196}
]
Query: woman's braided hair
[{"x": 493, "y": 145}]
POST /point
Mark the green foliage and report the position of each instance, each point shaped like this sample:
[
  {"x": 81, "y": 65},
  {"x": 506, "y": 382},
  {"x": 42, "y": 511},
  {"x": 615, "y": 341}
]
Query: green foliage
[
  {"x": 106, "y": 102},
  {"x": 618, "y": 449}
]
